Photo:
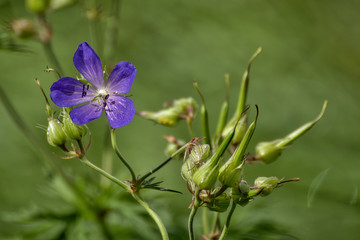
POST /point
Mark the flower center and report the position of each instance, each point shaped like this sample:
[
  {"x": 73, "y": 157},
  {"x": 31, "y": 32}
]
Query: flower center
[{"x": 103, "y": 92}]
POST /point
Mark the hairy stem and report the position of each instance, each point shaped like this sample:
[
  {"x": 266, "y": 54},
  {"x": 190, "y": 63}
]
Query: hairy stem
[
  {"x": 153, "y": 214},
  {"x": 122, "y": 159}
]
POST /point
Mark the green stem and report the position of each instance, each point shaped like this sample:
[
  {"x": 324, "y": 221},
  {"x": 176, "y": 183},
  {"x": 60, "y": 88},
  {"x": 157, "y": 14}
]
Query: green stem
[
  {"x": 122, "y": 159},
  {"x": 180, "y": 150},
  {"x": 190, "y": 222},
  {"x": 205, "y": 221},
  {"x": 190, "y": 127},
  {"x": 227, "y": 223},
  {"x": 104, "y": 173},
  {"x": 153, "y": 214}
]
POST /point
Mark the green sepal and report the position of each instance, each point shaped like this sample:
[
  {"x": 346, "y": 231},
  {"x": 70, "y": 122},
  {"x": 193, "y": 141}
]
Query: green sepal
[{"x": 72, "y": 130}]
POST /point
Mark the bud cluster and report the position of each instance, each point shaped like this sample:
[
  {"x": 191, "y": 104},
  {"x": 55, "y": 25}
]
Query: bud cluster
[
  {"x": 213, "y": 177},
  {"x": 62, "y": 131}
]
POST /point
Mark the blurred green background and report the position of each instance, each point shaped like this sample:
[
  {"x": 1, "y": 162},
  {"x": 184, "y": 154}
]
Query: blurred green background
[{"x": 310, "y": 53}]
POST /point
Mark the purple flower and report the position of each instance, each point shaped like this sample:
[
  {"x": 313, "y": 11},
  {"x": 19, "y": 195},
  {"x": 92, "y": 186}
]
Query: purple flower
[{"x": 97, "y": 95}]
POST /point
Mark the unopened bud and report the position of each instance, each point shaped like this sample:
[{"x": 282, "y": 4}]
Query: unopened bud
[
  {"x": 267, "y": 184},
  {"x": 72, "y": 130},
  {"x": 173, "y": 145},
  {"x": 55, "y": 134},
  {"x": 199, "y": 153},
  {"x": 205, "y": 176},
  {"x": 268, "y": 152},
  {"x": 181, "y": 105},
  {"x": 173, "y": 113},
  {"x": 37, "y": 6},
  {"x": 167, "y": 117}
]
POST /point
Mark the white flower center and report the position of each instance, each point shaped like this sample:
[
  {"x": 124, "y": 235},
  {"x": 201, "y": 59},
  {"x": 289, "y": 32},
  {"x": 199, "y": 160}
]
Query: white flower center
[{"x": 102, "y": 92}]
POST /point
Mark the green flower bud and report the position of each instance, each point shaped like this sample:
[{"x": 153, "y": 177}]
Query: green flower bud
[
  {"x": 268, "y": 152},
  {"x": 199, "y": 153},
  {"x": 167, "y": 117},
  {"x": 267, "y": 184},
  {"x": 173, "y": 113},
  {"x": 55, "y": 134},
  {"x": 181, "y": 105},
  {"x": 72, "y": 130},
  {"x": 240, "y": 193},
  {"x": 205, "y": 176},
  {"x": 37, "y": 6},
  {"x": 173, "y": 145},
  {"x": 244, "y": 187},
  {"x": 23, "y": 28},
  {"x": 218, "y": 204}
]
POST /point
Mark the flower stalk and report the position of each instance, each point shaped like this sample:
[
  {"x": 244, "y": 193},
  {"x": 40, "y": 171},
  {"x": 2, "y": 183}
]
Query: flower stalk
[{"x": 122, "y": 159}]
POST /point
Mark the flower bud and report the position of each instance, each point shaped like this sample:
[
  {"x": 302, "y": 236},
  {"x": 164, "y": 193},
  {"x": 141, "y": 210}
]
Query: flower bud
[
  {"x": 197, "y": 156},
  {"x": 173, "y": 113},
  {"x": 167, "y": 117},
  {"x": 72, "y": 130},
  {"x": 173, "y": 145},
  {"x": 218, "y": 204},
  {"x": 23, "y": 28},
  {"x": 55, "y": 134},
  {"x": 37, "y": 6},
  {"x": 240, "y": 193},
  {"x": 205, "y": 176},
  {"x": 181, "y": 105},
  {"x": 244, "y": 187},
  {"x": 199, "y": 153},
  {"x": 267, "y": 184},
  {"x": 268, "y": 152}
]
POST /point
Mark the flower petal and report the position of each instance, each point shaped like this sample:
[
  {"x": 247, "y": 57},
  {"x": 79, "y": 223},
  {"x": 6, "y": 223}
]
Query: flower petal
[
  {"x": 86, "y": 113},
  {"x": 88, "y": 64},
  {"x": 121, "y": 78},
  {"x": 67, "y": 92},
  {"x": 119, "y": 110}
]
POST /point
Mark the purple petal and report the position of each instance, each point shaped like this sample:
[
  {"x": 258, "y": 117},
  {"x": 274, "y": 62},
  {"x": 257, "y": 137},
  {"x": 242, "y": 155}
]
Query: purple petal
[
  {"x": 86, "y": 113},
  {"x": 121, "y": 78},
  {"x": 88, "y": 64},
  {"x": 119, "y": 110},
  {"x": 67, "y": 92}
]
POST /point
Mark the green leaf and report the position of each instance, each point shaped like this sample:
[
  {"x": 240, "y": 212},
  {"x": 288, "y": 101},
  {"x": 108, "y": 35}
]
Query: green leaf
[{"x": 315, "y": 185}]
